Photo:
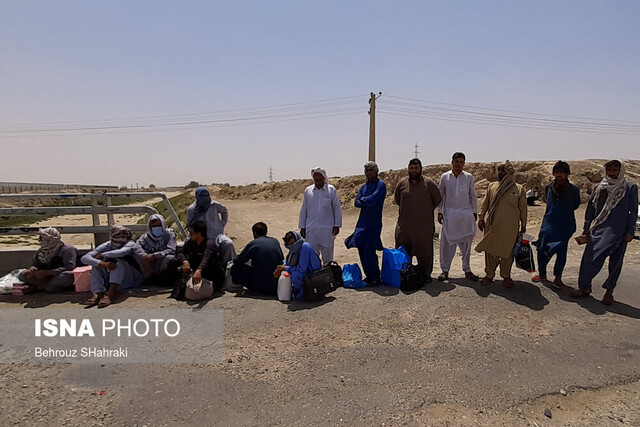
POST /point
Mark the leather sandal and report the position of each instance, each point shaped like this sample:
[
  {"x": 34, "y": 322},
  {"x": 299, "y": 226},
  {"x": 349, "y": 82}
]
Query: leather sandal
[
  {"x": 94, "y": 300},
  {"x": 105, "y": 301}
]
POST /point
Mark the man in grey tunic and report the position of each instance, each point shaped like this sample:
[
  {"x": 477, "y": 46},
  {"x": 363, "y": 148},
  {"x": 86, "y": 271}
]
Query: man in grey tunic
[
  {"x": 608, "y": 227},
  {"x": 215, "y": 215}
]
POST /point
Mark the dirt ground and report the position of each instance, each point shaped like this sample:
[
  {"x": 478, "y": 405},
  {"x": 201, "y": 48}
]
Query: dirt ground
[{"x": 453, "y": 353}]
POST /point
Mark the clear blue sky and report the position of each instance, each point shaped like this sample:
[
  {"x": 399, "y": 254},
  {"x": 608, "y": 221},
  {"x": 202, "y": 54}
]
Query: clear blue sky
[{"x": 120, "y": 92}]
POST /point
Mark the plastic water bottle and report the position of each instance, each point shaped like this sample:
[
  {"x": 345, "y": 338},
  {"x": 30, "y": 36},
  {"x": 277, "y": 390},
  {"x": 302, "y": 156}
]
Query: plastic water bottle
[{"x": 284, "y": 287}]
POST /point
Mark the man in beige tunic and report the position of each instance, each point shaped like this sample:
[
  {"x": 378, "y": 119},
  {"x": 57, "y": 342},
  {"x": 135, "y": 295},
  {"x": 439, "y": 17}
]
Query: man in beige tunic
[
  {"x": 505, "y": 206},
  {"x": 417, "y": 197}
]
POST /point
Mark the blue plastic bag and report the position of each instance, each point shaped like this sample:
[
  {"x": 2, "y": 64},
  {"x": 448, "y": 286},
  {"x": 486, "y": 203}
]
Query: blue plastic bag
[
  {"x": 352, "y": 276},
  {"x": 392, "y": 261}
]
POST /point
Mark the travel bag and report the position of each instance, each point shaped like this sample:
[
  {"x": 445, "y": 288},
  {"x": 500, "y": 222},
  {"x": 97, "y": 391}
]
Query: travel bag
[
  {"x": 321, "y": 282},
  {"x": 411, "y": 278}
]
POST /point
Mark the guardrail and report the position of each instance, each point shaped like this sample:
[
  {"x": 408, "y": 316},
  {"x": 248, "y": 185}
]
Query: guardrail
[{"x": 99, "y": 231}]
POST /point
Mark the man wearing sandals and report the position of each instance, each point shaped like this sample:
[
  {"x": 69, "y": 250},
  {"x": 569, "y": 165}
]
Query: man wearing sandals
[
  {"x": 505, "y": 208},
  {"x": 114, "y": 267},
  {"x": 608, "y": 227},
  {"x": 558, "y": 225}
]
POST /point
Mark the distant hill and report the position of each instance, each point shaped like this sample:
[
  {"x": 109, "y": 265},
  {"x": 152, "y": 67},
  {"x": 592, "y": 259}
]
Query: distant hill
[{"x": 584, "y": 173}]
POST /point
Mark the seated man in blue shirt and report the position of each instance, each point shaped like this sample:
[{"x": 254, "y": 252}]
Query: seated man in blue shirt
[{"x": 264, "y": 255}]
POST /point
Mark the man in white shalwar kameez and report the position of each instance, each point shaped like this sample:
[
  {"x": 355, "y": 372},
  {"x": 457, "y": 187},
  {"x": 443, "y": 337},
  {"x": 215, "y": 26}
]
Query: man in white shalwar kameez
[
  {"x": 320, "y": 215},
  {"x": 457, "y": 213}
]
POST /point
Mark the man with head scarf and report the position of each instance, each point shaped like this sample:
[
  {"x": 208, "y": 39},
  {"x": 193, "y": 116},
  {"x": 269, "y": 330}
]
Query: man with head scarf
[
  {"x": 215, "y": 215},
  {"x": 52, "y": 264},
  {"x": 320, "y": 215},
  {"x": 155, "y": 251},
  {"x": 301, "y": 260},
  {"x": 457, "y": 213},
  {"x": 558, "y": 225},
  {"x": 608, "y": 226},
  {"x": 114, "y": 267},
  {"x": 366, "y": 237},
  {"x": 417, "y": 197},
  {"x": 505, "y": 209}
]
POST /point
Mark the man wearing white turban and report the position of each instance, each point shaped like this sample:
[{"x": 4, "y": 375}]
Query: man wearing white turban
[{"x": 320, "y": 215}]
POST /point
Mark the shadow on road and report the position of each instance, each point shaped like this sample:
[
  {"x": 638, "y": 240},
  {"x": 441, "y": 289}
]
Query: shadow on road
[
  {"x": 302, "y": 305},
  {"x": 522, "y": 293},
  {"x": 595, "y": 306},
  {"x": 44, "y": 299},
  {"x": 436, "y": 287},
  {"x": 382, "y": 290}
]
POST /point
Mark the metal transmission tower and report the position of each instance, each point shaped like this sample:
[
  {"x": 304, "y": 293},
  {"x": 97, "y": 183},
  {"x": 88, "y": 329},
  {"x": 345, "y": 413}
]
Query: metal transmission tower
[
  {"x": 416, "y": 151},
  {"x": 270, "y": 174},
  {"x": 372, "y": 126}
]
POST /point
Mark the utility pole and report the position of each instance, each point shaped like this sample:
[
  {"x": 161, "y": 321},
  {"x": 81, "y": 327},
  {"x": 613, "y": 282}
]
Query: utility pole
[
  {"x": 416, "y": 151},
  {"x": 270, "y": 174},
  {"x": 372, "y": 126}
]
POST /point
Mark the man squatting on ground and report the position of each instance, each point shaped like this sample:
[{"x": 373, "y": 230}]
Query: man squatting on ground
[
  {"x": 255, "y": 266},
  {"x": 301, "y": 260},
  {"x": 366, "y": 237},
  {"x": 608, "y": 227},
  {"x": 457, "y": 213},
  {"x": 320, "y": 215},
  {"x": 198, "y": 260}
]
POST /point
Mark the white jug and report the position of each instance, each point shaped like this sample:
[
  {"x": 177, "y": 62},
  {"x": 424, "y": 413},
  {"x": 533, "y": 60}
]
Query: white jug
[{"x": 284, "y": 286}]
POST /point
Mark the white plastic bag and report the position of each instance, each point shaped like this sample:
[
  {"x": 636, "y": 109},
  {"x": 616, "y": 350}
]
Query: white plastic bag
[{"x": 6, "y": 282}]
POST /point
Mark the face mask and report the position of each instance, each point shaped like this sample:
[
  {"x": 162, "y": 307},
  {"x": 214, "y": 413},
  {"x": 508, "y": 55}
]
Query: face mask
[
  {"x": 156, "y": 231},
  {"x": 203, "y": 201},
  {"x": 116, "y": 245}
]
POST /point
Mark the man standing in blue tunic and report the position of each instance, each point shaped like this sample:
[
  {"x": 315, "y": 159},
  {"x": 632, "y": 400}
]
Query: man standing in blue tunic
[
  {"x": 608, "y": 227},
  {"x": 366, "y": 237},
  {"x": 558, "y": 225}
]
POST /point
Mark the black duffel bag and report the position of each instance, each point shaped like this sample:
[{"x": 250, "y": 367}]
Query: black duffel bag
[
  {"x": 321, "y": 282},
  {"x": 411, "y": 278}
]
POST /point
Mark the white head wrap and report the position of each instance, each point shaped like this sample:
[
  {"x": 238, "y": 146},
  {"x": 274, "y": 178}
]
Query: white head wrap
[{"x": 616, "y": 189}]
